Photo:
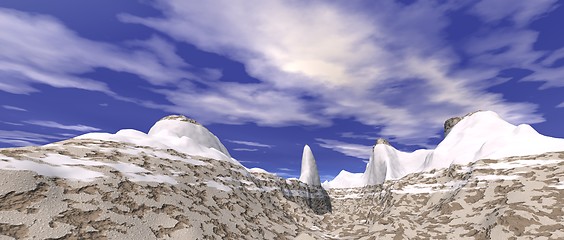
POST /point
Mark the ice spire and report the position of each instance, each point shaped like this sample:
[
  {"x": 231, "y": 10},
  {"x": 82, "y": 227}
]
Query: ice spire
[{"x": 309, "y": 173}]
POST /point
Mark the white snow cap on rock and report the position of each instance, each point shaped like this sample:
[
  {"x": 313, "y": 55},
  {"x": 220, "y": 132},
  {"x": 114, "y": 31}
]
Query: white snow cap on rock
[
  {"x": 480, "y": 135},
  {"x": 181, "y": 132},
  {"x": 309, "y": 173},
  {"x": 381, "y": 157},
  {"x": 177, "y": 132}
]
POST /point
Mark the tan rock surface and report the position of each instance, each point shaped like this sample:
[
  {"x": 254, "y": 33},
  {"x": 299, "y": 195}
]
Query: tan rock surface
[{"x": 120, "y": 191}]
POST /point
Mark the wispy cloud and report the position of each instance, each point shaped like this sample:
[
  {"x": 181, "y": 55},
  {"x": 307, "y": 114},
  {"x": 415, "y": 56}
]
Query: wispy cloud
[
  {"x": 13, "y": 124},
  {"x": 249, "y": 143},
  {"x": 17, "y": 143},
  {"x": 561, "y": 105},
  {"x": 349, "y": 149},
  {"x": 357, "y": 136},
  {"x": 357, "y": 65},
  {"x": 316, "y": 61},
  {"x": 31, "y": 54},
  {"x": 245, "y": 149},
  {"x": 285, "y": 169},
  {"x": 246, "y": 161},
  {"x": 23, "y": 138},
  {"x": 286, "y": 175},
  {"x": 52, "y": 124},
  {"x": 14, "y": 108}
]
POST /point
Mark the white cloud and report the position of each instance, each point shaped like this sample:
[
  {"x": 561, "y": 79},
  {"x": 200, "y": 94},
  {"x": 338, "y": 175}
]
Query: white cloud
[
  {"x": 357, "y": 136},
  {"x": 561, "y": 105},
  {"x": 286, "y": 175},
  {"x": 40, "y": 49},
  {"x": 285, "y": 169},
  {"x": 51, "y": 124},
  {"x": 249, "y": 143},
  {"x": 13, "y": 124},
  {"x": 14, "y": 108},
  {"x": 520, "y": 12},
  {"x": 235, "y": 103},
  {"x": 317, "y": 61},
  {"x": 245, "y": 149},
  {"x": 17, "y": 143},
  {"x": 23, "y": 138},
  {"x": 389, "y": 67},
  {"x": 349, "y": 149}
]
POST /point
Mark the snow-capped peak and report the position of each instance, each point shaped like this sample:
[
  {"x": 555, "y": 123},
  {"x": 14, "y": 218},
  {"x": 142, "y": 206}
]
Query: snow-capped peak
[
  {"x": 177, "y": 132},
  {"x": 479, "y": 135},
  {"x": 309, "y": 173},
  {"x": 382, "y": 141},
  {"x": 181, "y": 132}
]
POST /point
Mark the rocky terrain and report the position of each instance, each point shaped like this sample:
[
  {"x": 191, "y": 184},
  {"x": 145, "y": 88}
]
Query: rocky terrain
[
  {"x": 88, "y": 188},
  {"x": 145, "y": 193}
]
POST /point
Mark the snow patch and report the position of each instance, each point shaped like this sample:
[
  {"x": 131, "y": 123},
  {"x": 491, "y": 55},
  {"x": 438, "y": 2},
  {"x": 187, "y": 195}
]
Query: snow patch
[{"x": 219, "y": 186}]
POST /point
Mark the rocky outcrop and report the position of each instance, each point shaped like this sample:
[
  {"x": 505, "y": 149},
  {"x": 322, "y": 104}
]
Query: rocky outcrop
[
  {"x": 382, "y": 141},
  {"x": 449, "y": 124},
  {"x": 180, "y": 118}
]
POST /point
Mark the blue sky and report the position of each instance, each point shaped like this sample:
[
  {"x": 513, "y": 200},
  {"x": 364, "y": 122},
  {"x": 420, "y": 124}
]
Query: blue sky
[{"x": 268, "y": 77}]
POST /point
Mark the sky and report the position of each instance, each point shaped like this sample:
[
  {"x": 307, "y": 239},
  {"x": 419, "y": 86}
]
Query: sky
[{"x": 268, "y": 77}]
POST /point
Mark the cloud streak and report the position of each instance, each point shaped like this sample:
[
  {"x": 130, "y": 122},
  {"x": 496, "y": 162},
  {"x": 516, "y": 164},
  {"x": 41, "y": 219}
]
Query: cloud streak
[
  {"x": 14, "y": 108},
  {"x": 350, "y": 149},
  {"x": 23, "y": 138},
  {"x": 249, "y": 143},
  {"x": 52, "y": 124}
]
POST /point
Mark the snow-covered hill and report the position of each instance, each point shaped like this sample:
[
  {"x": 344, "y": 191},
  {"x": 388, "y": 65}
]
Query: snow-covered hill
[
  {"x": 179, "y": 182},
  {"x": 176, "y": 182},
  {"x": 480, "y": 135}
]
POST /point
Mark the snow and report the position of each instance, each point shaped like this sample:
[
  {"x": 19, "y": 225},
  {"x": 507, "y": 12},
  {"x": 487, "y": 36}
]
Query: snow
[
  {"x": 430, "y": 188},
  {"x": 519, "y": 163},
  {"x": 496, "y": 177},
  {"x": 218, "y": 186},
  {"x": 559, "y": 185},
  {"x": 258, "y": 170},
  {"x": 62, "y": 171},
  {"x": 62, "y": 166},
  {"x": 182, "y": 136},
  {"x": 482, "y": 135},
  {"x": 345, "y": 180},
  {"x": 309, "y": 174}
]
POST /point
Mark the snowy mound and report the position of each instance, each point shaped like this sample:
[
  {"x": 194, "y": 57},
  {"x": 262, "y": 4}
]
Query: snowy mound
[
  {"x": 481, "y": 135},
  {"x": 345, "y": 179},
  {"x": 309, "y": 174},
  {"x": 175, "y": 132}
]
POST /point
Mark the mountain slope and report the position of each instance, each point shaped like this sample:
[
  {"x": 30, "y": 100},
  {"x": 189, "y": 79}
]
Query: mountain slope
[{"x": 132, "y": 185}]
